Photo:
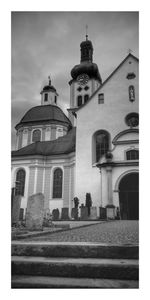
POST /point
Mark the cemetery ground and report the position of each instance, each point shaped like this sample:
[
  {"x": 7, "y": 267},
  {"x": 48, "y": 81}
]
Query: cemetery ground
[{"x": 116, "y": 232}]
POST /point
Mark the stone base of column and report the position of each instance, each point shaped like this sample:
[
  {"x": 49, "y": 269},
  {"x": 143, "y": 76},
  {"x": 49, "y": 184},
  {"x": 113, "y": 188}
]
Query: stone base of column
[
  {"x": 110, "y": 211},
  {"x": 102, "y": 213}
]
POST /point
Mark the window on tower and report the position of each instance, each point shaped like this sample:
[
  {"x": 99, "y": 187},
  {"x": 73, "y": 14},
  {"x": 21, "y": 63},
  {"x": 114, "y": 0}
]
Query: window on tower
[
  {"x": 36, "y": 136},
  {"x": 55, "y": 99},
  {"x": 79, "y": 100},
  {"x": 86, "y": 97},
  {"x": 100, "y": 98},
  {"x": 45, "y": 97}
]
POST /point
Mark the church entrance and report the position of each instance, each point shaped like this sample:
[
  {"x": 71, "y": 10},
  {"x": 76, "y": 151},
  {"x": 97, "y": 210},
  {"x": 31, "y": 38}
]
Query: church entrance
[{"x": 129, "y": 197}]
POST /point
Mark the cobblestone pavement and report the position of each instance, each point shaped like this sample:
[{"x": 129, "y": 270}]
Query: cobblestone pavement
[{"x": 115, "y": 232}]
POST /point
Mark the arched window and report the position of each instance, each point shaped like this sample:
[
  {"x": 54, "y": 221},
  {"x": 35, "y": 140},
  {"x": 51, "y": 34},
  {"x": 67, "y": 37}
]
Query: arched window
[
  {"x": 57, "y": 183},
  {"x": 79, "y": 100},
  {"x": 36, "y": 136},
  {"x": 102, "y": 143},
  {"x": 132, "y": 154},
  {"x": 45, "y": 97},
  {"x": 86, "y": 97},
  {"x": 20, "y": 182}
]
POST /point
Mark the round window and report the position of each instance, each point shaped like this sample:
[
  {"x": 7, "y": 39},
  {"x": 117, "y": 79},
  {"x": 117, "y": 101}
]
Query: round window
[{"x": 132, "y": 120}]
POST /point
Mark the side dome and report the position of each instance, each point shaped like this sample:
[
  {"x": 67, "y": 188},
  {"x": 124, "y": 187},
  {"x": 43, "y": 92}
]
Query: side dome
[{"x": 44, "y": 115}]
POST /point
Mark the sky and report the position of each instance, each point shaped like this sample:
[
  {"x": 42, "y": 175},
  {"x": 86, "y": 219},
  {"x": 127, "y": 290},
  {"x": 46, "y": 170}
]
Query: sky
[{"x": 48, "y": 43}]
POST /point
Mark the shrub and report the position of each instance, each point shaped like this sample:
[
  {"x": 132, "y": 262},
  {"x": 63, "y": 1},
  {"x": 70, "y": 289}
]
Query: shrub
[
  {"x": 76, "y": 202},
  {"x": 88, "y": 202}
]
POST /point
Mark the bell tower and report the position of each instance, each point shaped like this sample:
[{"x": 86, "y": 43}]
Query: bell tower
[
  {"x": 85, "y": 78},
  {"x": 49, "y": 94}
]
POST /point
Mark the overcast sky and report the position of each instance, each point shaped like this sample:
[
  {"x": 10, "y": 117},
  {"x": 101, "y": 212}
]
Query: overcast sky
[{"x": 48, "y": 43}]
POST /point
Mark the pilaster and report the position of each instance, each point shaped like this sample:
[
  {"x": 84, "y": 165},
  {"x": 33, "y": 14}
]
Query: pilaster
[
  {"x": 43, "y": 133},
  {"x": 109, "y": 184},
  {"x": 53, "y": 132},
  {"x": 29, "y": 136},
  {"x": 20, "y": 134},
  {"x": 67, "y": 186}
]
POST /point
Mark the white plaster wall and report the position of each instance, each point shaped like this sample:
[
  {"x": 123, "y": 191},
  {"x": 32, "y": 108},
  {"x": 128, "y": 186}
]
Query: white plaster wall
[
  {"x": 109, "y": 116},
  {"x": 74, "y": 93},
  {"x": 25, "y": 138},
  {"x": 48, "y": 134}
]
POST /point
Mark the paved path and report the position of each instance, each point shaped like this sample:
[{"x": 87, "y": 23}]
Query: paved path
[{"x": 115, "y": 232}]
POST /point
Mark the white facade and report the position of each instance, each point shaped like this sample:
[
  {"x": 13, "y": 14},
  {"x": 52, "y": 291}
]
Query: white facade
[{"x": 109, "y": 116}]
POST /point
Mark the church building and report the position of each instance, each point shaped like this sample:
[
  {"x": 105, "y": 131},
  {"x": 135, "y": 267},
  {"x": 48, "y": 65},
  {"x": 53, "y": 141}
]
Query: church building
[{"x": 95, "y": 149}]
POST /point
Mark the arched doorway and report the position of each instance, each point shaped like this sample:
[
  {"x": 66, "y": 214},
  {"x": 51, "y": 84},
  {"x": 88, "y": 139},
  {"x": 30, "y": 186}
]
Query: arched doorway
[{"x": 129, "y": 197}]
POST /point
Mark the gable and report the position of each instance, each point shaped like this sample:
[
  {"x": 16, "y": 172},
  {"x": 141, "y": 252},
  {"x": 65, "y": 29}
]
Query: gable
[{"x": 125, "y": 74}]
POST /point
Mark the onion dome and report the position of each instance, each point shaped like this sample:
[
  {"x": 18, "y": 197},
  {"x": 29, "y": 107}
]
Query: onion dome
[
  {"x": 86, "y": 65},
  {"x": 44, "y": 114},
  {"x": 91, "y": 69}
]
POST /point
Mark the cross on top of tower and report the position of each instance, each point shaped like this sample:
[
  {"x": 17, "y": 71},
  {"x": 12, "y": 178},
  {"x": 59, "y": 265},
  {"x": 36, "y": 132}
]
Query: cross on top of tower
[
  {"x": 86, "y": 32},
  {"x": 130, "y": 51},
  {"x": 49, "y": 78}
]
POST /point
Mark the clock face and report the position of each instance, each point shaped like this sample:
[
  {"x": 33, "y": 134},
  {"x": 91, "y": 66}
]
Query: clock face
[{"x": 82, "y": 79}]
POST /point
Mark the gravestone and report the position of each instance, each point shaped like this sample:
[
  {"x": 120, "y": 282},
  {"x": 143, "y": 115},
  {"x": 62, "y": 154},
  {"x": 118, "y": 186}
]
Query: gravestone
[
  {"x": 35, "y": 212},
  {"x": 93, "y": 213},
  {"x": 55, "y": 214},
  {"x": 65, "y": 213},
  {"x": 84, "y": 213},
  {"x": 102, "y": 213},
  {"x": 16, "y": 208},
  {"x": 74, "y": 213}
]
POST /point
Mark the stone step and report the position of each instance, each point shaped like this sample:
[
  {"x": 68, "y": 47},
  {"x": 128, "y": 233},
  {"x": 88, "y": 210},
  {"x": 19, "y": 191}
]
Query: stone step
[
  {"x": 85, "y": 250},
  {"x": 76, "y": 267},
  {"x": 64, "y": 282}
]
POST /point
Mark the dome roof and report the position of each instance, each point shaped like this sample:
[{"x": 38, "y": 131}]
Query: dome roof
[
  {"x": 86, "y": 43},
  {"x": 43, "y": 114},
  {"x": 49, "y": 88},
  {"x": 88, "y": 68}
]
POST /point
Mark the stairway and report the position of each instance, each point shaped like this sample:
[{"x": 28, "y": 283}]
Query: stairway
[{"x": 74, "y": 265}]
